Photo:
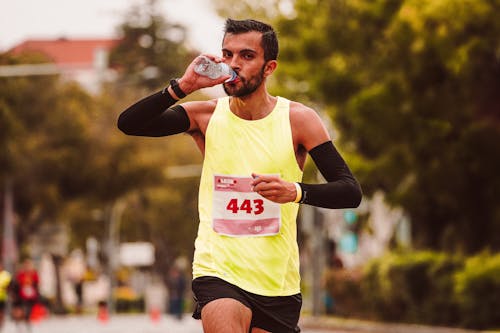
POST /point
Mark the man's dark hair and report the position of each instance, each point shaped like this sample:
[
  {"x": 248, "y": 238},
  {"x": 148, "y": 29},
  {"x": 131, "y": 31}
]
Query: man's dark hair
[{"x": 269, "y": 40}]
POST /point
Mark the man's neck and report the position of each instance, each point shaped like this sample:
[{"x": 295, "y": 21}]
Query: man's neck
[{"x": 254, "y": 106}]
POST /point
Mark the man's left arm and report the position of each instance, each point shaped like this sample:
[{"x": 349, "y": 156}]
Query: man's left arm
[{"x": 341, "y": 189}]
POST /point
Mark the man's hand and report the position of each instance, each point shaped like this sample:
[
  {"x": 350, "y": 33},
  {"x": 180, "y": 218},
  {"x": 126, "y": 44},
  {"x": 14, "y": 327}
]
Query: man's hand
[
  {"x": 192, "y": 81},
  {"x": 274, "y": 188}
]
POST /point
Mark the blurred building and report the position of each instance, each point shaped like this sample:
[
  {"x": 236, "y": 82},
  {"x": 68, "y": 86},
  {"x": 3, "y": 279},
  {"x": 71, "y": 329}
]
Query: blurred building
[{"x": 81, "y": 60}]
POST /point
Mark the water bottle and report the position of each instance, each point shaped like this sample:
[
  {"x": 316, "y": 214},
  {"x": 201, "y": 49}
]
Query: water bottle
[{"x": 206, "y": 67}]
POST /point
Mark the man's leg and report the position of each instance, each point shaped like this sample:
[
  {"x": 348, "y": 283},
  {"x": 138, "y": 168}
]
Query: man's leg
[{"x": 226, "y": 315}]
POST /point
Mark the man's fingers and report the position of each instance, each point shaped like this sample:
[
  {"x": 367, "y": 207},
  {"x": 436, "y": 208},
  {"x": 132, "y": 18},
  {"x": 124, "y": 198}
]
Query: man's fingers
[
  {"x": 266, "y": 179},
  {"x": 264, "y": 186},
  {"x": 268, "y": 193}
]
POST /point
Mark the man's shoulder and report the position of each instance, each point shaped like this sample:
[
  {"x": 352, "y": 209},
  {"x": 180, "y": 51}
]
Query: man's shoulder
[
  {"x": 207, "y": 106},
  {"x": 300, "y": 111},
  {"x": 308, "y": 128},
  {"x": 199, "y": 113}
]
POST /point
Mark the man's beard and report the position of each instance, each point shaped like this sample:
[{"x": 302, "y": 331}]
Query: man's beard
[{"x": 247, "y": 88}]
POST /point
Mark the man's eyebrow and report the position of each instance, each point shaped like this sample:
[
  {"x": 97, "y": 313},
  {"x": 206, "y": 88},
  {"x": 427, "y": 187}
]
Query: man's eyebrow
[
  {"x": 240, "y": 51},
  {"x": 248, "y": 50}
]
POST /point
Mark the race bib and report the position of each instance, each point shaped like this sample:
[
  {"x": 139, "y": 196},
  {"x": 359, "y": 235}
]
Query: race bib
[{"x": 238, "y": 211}]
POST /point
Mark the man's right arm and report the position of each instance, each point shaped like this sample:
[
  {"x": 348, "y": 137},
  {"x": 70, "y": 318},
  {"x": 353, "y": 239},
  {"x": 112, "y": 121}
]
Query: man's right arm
[{"x": 154, "y": 116}]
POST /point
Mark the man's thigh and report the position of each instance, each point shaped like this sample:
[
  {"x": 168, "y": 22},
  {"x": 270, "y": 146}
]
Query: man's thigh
[
  {"x": 226, "y": 315},
  {"x": 267, "y": 314}
]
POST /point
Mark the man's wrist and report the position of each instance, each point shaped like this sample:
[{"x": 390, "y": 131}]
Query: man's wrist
[
  {"x": 177, "y": 90},
  {"x": 298, "y": 195},
  {"x": 185, "y": 85}
]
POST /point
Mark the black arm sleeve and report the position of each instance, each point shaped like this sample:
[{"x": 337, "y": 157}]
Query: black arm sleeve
[
  {"x": 341, "y": 190},
  {"x": 153, "y": 116}
]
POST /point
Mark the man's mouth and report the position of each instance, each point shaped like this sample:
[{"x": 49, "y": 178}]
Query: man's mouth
[{"x": 233, "y": 82}]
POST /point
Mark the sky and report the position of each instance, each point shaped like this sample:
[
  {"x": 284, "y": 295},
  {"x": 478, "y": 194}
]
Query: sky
[{"x": 36, "y": 19}]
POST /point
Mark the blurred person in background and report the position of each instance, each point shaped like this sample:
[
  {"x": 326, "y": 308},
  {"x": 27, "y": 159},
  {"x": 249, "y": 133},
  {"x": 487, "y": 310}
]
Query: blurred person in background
[
  {"x": 75, "y": 269},
  {"x": 246, "y": 263},
  {"x": 26, "y": 293},
  {"x": 176, "y": 291},
  {"x": 5, "y": 282}
]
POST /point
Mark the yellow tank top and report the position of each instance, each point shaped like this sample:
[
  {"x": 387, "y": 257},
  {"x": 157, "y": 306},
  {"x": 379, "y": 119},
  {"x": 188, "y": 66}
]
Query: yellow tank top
[{"x": 243, "y": 238}]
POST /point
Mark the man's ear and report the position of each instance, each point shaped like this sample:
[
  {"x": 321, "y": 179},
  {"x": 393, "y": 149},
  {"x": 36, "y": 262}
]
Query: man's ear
[{"x": 269, "y": 67}]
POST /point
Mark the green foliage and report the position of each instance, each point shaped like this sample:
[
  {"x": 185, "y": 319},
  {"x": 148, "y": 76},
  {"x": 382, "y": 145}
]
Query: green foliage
[
  {"x": 414, "y": 287},
  {"x": 264, "y": 10},
  {"x": 70, "y": 164},
  {"x": 133, "y": 170},
  {"x": 160, "y": 210},
  {"x": 44, "y": 143},
  {"x": 477, "y": 287},
  {"x": 344, "y": 287},
  {"x": 421, "y": 287},
  {"x": 412, "y": 87}
]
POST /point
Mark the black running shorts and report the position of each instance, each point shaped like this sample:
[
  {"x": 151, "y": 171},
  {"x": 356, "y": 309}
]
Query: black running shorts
[{"x": 278, "y": 314}]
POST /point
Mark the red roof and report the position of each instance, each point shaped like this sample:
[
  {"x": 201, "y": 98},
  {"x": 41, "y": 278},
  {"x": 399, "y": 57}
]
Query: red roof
[{"x": 66, "y": 51}]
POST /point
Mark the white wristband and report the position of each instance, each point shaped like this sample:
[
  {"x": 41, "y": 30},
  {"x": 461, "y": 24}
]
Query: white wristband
[{"x": 299, "y": 192}]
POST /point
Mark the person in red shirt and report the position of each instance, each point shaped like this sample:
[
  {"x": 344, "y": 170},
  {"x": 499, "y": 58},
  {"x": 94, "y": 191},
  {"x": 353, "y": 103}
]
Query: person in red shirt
[{"x": 26, "y": 290}]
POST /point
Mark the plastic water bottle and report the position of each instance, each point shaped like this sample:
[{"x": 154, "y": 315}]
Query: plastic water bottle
[{"x": 206, "y": 67}]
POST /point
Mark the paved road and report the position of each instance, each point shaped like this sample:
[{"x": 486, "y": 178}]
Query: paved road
[{"x": 140, "y": 323}]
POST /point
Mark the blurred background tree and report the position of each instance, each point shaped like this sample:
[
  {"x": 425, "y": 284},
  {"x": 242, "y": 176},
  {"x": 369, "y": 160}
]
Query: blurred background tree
[
  {"x": 412, "y": 88},
  {"x": 164, "y": 212},
  {"x": 71, "y": 166},
  {"x": 151, "y": 51},
  {"x": 151, "y": 48},
  {"x": 41, "y": 165}
]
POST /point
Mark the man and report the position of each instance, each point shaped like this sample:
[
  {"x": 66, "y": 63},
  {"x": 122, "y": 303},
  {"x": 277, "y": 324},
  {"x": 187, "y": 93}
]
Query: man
[{"x": 246, "y": 262}]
